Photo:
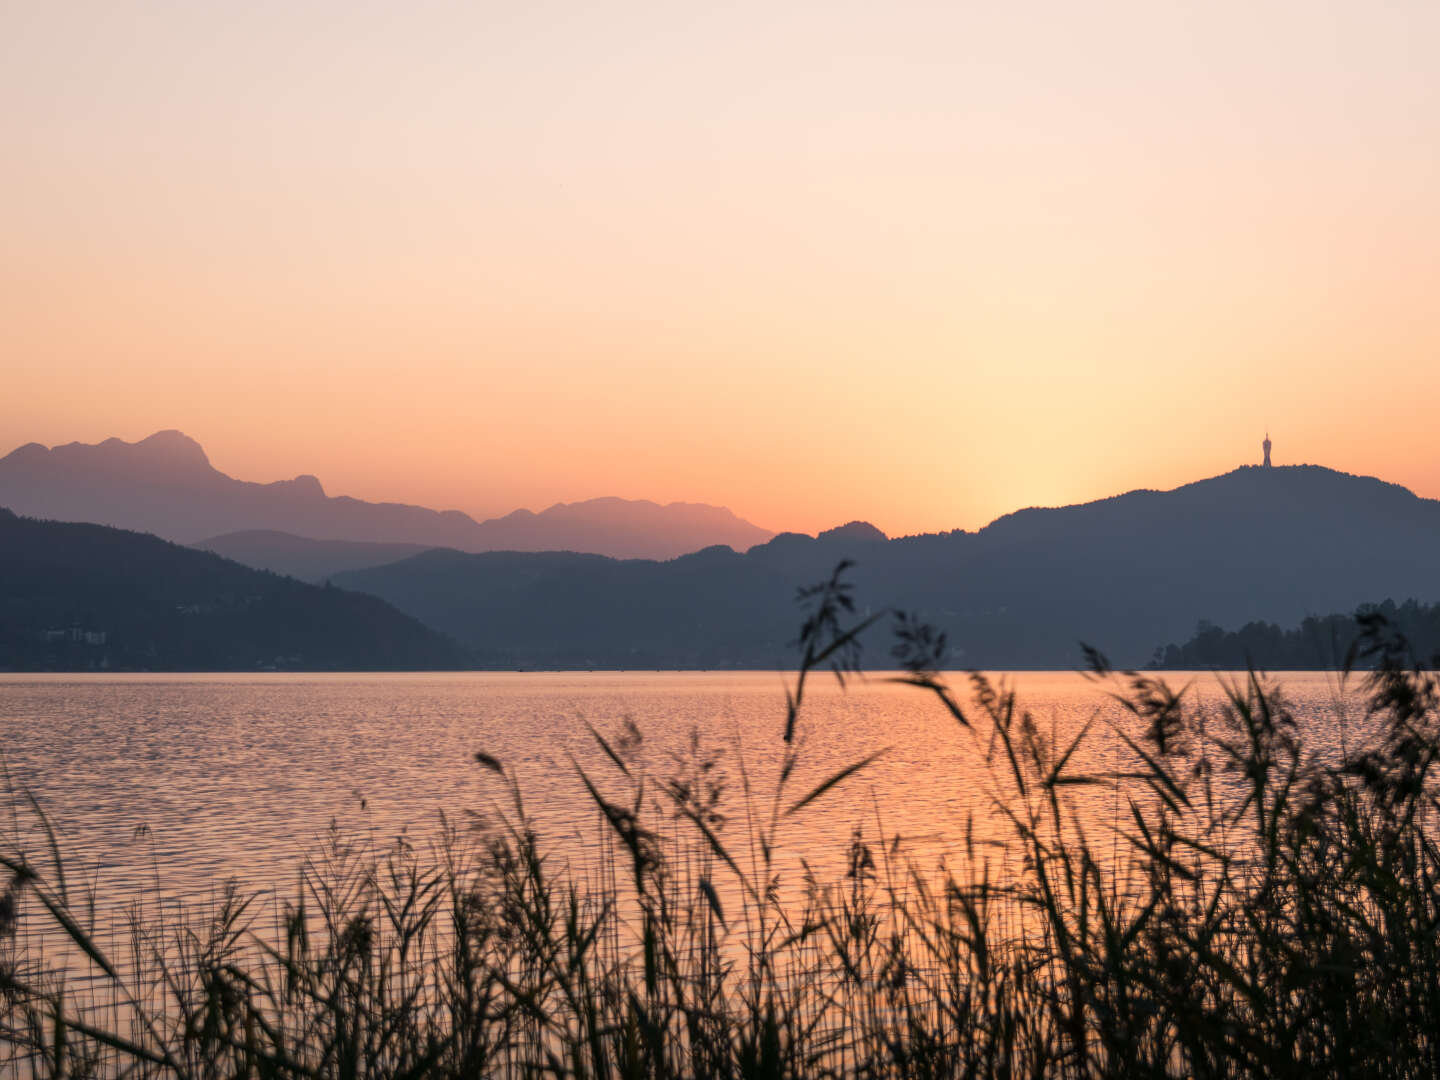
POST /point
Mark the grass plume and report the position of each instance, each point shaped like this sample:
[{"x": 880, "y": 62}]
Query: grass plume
[{"x": 1261, "y": 909}]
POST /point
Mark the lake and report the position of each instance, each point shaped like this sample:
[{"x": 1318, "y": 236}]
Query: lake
[{"x": 176, "y": 783}]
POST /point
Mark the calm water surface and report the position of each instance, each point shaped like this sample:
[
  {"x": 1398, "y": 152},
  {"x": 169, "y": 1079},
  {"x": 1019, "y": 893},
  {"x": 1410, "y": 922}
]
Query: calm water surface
[{"x": 190, "y": 780}]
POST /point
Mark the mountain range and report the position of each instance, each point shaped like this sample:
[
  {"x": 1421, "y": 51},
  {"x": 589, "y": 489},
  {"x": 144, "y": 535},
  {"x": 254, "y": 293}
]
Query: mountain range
[
  {"x": 1125, "y": 574},
  {"x": 166, "y": 485}
]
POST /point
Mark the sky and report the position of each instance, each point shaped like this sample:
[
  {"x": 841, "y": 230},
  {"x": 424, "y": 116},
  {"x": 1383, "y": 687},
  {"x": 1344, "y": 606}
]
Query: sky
[{"x": 914, "y": 263}]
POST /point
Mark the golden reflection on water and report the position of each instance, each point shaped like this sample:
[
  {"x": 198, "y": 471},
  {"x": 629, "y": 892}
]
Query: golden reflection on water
[{"x": 168, "y": 785}]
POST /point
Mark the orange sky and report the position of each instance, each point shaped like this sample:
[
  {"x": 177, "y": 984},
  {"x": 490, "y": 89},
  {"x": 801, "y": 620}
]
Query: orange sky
[{"x": 914, "y": 263}]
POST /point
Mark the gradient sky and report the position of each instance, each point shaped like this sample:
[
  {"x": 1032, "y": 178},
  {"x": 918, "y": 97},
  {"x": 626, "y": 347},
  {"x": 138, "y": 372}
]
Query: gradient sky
[{"x": 915, "y": 263}]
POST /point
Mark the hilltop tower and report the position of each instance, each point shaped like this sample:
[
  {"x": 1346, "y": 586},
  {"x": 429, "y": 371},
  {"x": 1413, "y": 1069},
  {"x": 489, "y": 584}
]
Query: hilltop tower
[{"x": 1266, "y": 447}]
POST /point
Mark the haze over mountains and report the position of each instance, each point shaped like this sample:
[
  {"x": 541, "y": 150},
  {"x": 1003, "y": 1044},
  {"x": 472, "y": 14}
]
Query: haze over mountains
[
  {"x": 166, "y": 485},
  {"x": 1126, "y": 574},
  {"x": 300, "y": 557}
]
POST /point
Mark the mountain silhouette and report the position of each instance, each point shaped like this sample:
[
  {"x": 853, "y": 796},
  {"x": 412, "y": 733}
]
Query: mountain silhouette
[
  {"x": 81, "y": 597},
  {"x": 303, "y": 558},
  {"x": 166, "y": 485},
  {"x": 1123, "y": 574}
]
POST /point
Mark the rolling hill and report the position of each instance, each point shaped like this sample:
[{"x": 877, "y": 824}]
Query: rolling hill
[
  {"x": 300, "y": 557},
  {"x": 1123, "y": 573},
  {"x": 89, "y": 597}
]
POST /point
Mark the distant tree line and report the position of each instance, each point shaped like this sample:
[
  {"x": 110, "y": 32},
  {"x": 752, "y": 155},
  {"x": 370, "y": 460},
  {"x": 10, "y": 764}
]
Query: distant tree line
[
  {"x": 1318, "y": 643},
  {"x": 1275, "y": 912}
]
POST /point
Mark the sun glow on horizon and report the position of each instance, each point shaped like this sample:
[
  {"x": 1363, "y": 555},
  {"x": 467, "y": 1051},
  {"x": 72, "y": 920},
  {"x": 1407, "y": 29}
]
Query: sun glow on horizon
[{"x": 920, "y": 266}]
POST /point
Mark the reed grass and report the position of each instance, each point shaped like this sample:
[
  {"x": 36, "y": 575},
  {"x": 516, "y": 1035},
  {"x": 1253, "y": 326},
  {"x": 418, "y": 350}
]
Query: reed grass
[{"x": 1260, "y": 909}]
